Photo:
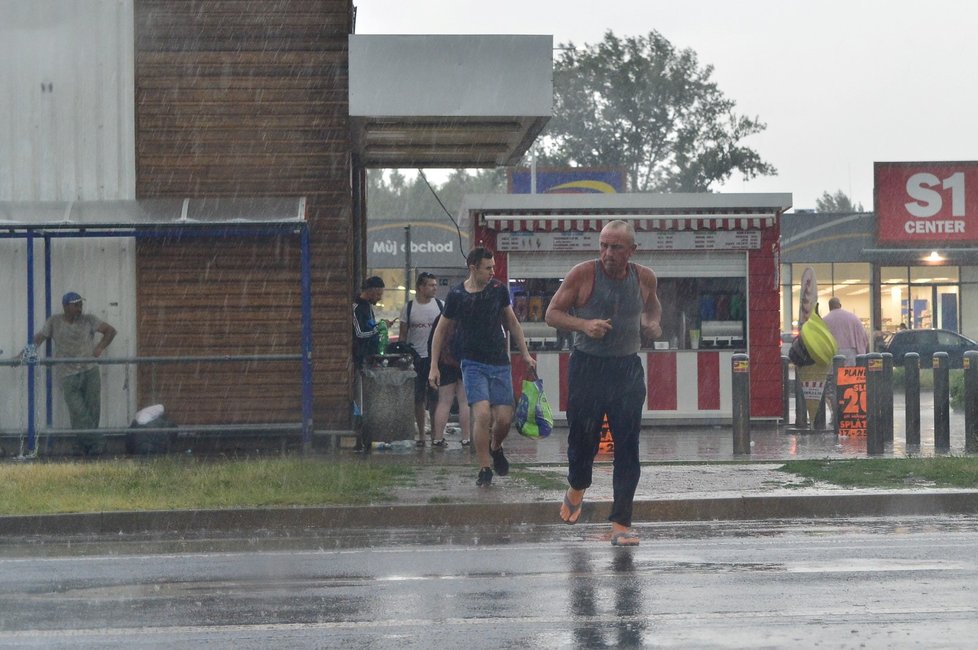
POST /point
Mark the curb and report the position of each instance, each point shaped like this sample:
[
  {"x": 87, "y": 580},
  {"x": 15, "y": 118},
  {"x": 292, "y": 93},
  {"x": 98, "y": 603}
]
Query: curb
[{"x": 495, "y": 515}]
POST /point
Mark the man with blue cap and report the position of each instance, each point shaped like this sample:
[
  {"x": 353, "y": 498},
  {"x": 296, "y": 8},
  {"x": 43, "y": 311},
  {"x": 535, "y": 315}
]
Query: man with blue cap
[{"x": 73, "y": 334}]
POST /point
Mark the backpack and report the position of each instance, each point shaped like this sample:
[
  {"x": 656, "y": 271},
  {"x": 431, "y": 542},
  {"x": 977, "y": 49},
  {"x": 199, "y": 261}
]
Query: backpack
[{"x": 448, "y": 357}]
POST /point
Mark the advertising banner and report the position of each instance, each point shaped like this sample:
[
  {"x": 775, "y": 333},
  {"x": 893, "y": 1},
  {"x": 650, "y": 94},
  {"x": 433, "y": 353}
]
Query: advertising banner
[
  {"x": 568, "y": 181},
  {"x": 851, "y": 398},
  {"x": 926, "y": 203}
]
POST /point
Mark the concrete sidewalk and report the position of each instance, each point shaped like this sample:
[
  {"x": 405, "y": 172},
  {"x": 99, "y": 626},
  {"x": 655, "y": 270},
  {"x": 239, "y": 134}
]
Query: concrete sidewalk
[{"x": 688, "y": 474}]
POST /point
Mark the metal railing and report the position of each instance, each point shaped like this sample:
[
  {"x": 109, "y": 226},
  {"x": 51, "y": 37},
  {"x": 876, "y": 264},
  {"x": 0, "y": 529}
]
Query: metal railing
[{"x": 32, "y": 432}]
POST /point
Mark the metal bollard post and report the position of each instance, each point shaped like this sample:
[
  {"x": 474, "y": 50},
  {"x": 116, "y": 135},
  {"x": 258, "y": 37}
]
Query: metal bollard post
[
  {"x": 971, "y": 402},
  {"x": 874, "y": 377},
  {"x": 911, "y": 364},
  {"x": 886, "y": 398},
  {"x": 942, "y": 402},
  {"x": 785, "y": 390},
  {"x": 838, "y": 361},
  {"x": 801, "y": 411},
  {"x": 740, "y": 364},
  {"x": 819, "y": 424}
]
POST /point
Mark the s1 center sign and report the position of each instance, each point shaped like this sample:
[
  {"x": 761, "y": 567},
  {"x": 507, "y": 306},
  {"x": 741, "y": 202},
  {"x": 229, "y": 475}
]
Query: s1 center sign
[{"x": 925, "y": 203}]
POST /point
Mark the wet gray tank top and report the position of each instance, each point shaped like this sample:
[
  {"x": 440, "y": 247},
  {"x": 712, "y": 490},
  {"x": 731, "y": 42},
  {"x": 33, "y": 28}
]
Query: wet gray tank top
[{"x": 619, "y": 300}]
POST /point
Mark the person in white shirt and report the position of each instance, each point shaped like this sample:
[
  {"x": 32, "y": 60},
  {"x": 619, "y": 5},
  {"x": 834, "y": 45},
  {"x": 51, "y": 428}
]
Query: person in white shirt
[{"x": 416, "y": 319}]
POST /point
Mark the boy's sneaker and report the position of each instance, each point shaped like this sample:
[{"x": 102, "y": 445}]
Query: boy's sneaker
[
  {"x": 499, "y": 462},
  {"x": 485, "y": 477}
]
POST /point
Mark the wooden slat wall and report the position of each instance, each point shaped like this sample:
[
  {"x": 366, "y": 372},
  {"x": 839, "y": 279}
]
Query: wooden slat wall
[{"x": 245, "y": 98}]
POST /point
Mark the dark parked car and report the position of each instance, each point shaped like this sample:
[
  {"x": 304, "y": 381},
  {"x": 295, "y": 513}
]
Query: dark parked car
[{"x": 926, "y": 343}]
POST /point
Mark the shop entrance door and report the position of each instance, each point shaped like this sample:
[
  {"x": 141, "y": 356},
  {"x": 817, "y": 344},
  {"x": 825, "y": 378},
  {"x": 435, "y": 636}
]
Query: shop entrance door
[{"x": 933, "y": 306}]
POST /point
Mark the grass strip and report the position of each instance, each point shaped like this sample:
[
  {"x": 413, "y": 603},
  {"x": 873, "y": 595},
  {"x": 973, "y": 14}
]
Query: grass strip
[
  {"x": 943, "y": 471},
  {"x": 174, "y": 483}
]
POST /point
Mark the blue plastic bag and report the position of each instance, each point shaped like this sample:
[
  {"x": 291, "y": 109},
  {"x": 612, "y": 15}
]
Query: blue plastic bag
[{"x": 534, "y": 419}]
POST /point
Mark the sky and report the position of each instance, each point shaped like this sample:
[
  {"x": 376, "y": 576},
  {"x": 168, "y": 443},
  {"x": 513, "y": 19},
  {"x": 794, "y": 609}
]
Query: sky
[{"x": 839, "y": 83}]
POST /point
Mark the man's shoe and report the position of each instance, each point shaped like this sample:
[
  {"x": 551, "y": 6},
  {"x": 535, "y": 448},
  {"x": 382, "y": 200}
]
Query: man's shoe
[
  {"x": 485, "y": 477},
  {"x": 499, "y": 462}
]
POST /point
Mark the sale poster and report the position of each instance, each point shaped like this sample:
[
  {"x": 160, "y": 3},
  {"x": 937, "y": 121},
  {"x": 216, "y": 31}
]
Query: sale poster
[{"x": 851, "y": 401}]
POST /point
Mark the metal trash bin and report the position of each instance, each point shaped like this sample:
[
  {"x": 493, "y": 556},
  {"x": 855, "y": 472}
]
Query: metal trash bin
[{"x": 388, "y": 398}]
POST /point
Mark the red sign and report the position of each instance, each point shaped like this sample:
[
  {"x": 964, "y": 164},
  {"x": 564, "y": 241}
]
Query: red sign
[{"x": 926, "y": 203}]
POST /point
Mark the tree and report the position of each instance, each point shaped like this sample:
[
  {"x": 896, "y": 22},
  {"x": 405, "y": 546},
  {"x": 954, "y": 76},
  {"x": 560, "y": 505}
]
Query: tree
[
  {"x": 642, "y": 104},
  {"x": 394, "y": 195},
  {"x": 837, "y": 202}
]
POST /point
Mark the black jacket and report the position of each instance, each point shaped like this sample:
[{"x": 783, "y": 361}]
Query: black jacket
[{"x": 366, "y": 336}]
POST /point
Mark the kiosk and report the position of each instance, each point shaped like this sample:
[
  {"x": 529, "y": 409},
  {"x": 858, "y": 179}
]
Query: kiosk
[{"x": 716, "y": 259}]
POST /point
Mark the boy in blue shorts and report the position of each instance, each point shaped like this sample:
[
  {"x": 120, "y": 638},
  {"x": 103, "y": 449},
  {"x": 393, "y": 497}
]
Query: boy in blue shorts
[{"x": 479, "y": 312}]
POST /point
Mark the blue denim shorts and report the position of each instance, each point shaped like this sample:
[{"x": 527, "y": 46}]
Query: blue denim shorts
[{"x": 484, "y": 382}]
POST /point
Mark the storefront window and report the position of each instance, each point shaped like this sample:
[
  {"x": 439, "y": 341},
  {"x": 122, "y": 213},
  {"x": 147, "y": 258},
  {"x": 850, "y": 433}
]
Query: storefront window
[
  {"x": 849, "y": 282},
  {"x": 920, "y": 297},
  {"x": 933, "y": 274},
  {"x": 893, "y": 275}
]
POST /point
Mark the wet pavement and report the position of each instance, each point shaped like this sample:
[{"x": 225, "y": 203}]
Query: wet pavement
[
  {"x": 688, "y": 473},
  {"x": 850, "y": 583}
]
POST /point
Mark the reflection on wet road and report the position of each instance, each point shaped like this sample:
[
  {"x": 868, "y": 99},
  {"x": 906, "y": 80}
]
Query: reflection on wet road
[{"x": 871, "y": 582}]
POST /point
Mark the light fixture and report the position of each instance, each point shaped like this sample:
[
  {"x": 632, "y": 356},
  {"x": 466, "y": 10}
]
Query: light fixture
[{"x": 934, "y": 257}]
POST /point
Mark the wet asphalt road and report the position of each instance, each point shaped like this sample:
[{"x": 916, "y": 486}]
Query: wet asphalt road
[{"x": 875, "y": 583}]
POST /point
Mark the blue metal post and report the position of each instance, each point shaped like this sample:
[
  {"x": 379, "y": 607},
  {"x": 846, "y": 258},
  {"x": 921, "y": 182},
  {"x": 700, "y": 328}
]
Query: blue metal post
[
  {"x": 48, "y": 345},
  {"x": 31, "y": 397},
  {"x": 306, "y": 282}
]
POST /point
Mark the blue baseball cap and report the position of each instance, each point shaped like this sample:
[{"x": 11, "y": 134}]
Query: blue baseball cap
[{"x": 70, "y": 297}]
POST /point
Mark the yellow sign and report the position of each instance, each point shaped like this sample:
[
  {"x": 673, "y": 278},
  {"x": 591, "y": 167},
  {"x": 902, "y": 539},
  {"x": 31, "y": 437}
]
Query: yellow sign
[
  {"x": 850, "y": 396},
  {"x": 875, "y": 365},
  {"x": 741, "y": 365}
]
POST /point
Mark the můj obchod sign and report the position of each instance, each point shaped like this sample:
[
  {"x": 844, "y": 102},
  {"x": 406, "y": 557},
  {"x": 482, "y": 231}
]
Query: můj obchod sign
[
  {"x": 922, "y": 202},
  {"x": 851, "y": 401}
]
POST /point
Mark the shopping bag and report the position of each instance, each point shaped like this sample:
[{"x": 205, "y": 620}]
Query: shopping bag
[{"x": 534, "y": 419}]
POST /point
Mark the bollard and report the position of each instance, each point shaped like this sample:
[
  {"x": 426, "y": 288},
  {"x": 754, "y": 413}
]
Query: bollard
[
  {"x": 838, "y": 361},
  {"x": 874, "y": 379},
  {"x": 801, "y": 411},
  {"x": 942, "y": 402},
  {"x": 740, "y": 392},
  {"x": 819, "y": 424},
  {"x": 971, "y": 402},
  {"x": 785, "y": 390},
  {"x": 911, "y": 364},
  {"x": 886, "y": 398}
]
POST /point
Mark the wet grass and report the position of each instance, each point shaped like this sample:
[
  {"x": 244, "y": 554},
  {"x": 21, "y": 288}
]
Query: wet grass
[
  {"x": 543, "y": 480},
  {"x": 946, "y": 471},
  {"x": 181, "y": 483}
]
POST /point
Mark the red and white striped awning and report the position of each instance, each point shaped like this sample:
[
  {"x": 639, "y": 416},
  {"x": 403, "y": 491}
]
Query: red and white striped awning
[{"x": 518, "y": 223}]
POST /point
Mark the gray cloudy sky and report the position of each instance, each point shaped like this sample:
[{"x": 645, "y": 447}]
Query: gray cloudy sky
[{"x": 840, "y": 83}]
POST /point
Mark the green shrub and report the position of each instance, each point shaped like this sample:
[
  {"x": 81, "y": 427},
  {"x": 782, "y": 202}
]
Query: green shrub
[
  {"x": 956, "y": 386},
  {"x": 926, "y": 378}
]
